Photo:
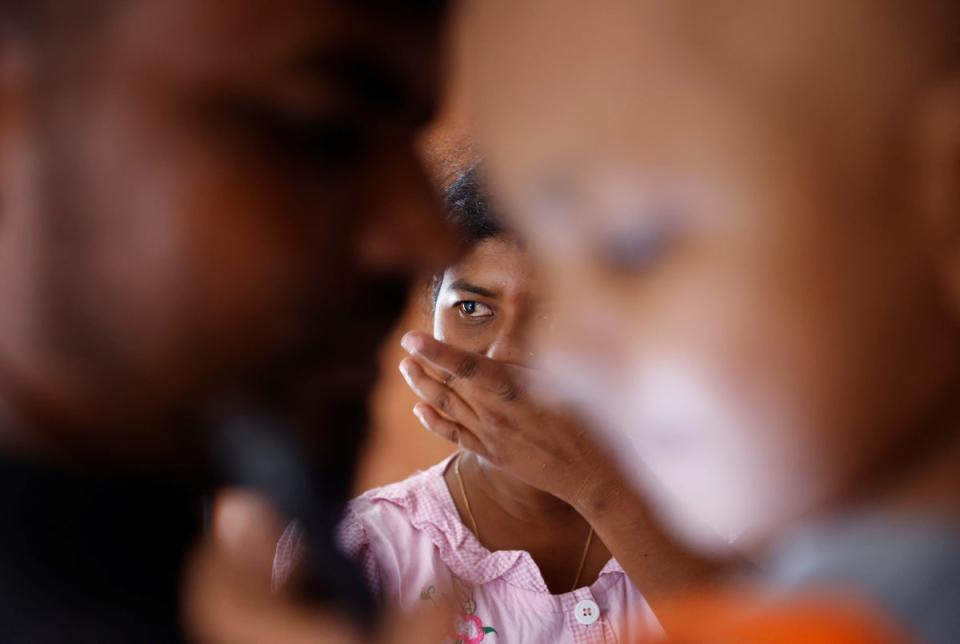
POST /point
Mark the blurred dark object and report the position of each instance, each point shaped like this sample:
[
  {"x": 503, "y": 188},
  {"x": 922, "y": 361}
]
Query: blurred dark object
[
  {"x": 91, "y": 556},
  {"x": 294, "y": 432},
  {"x": 262, "y": 454}
]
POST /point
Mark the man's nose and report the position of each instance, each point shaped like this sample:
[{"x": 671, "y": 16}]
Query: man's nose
[{"x": 407, "y": 230}]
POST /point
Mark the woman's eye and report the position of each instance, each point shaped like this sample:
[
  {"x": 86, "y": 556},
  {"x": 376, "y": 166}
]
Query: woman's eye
[{"x": 473, "y": 309}]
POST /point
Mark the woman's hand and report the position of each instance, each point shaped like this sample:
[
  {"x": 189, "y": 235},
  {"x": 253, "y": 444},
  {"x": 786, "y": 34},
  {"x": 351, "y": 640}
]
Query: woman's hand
[{"x": 485, "y": 406}]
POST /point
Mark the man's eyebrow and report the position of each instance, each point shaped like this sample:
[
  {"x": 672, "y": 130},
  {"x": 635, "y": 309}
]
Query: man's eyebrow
[
  {"x": 464, "y": 285},
  {"x": 367, "y": 79}
]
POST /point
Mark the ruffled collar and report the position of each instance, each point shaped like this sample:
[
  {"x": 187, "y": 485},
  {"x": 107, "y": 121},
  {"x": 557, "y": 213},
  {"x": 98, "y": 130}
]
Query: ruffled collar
[{"x": 430, "y": 507}]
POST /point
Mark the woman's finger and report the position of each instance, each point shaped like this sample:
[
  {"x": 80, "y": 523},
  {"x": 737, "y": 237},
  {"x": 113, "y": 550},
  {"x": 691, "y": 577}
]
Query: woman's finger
[
  {"x": 464, "y": 368},
  {"x": 451, "y": 431},
  {"x": 441, "y": 397}
]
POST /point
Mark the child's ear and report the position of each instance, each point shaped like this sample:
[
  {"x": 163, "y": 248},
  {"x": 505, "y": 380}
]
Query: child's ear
[{"x": 939, "y": 179}]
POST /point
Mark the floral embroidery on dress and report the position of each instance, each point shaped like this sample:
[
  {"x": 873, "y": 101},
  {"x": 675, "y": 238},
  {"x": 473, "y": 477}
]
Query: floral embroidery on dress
[{"x": 468, "y": 628}]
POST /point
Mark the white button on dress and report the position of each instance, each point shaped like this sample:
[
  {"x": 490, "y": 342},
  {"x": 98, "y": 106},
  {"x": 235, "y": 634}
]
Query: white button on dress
[{"x": 587, "y": 612}]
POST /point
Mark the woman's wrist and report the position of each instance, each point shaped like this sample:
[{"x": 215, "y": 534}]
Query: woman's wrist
[{"x": 602, "y": 493}]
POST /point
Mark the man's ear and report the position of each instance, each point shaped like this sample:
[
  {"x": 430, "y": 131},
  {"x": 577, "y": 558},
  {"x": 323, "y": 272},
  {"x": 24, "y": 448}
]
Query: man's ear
[{"x": 939, "y": 179}]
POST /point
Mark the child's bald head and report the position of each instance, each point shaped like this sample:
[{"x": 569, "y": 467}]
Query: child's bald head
[{"x": 752, "y": 216}]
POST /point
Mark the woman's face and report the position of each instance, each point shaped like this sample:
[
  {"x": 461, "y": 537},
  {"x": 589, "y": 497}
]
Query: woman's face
[{"x": 485, "y": 302}]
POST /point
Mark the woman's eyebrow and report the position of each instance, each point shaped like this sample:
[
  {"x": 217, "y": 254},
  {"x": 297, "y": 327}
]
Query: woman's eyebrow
[{"x": 464, "y": 285}]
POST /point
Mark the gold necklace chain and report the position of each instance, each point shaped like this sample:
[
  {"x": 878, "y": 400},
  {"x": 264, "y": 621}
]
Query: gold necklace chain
[{"x": 476, "y": 530}]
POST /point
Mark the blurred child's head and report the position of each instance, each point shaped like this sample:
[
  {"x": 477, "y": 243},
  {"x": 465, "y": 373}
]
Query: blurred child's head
[
  {"x": 484, "y": 302},
  {"x": 748, "y": 218}
]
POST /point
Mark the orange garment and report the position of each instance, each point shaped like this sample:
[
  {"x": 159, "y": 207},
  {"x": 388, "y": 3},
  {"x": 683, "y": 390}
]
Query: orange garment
[{"x": 743, "y": 618}]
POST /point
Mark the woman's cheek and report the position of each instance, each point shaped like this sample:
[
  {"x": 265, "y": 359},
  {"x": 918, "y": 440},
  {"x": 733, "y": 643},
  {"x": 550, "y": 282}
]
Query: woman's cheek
[
  {"x": 446, "y": 327},
  {"x": 463, "y": 334}
]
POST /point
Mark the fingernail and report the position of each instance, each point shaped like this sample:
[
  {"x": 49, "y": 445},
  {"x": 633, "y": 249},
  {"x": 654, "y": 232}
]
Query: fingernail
[
  {"x": 405, "y": 367},
  {"x": 419, "y": 414},
  {"x": 412, "y": 342}
]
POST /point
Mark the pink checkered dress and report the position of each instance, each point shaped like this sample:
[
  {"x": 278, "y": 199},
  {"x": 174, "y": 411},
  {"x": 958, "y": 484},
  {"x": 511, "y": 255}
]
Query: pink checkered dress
[{"x": 413, "y": 547}]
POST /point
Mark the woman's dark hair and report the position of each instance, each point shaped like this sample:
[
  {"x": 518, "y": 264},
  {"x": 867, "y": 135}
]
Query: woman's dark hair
[
  {"x": 469, "y": 211},
  {"x": 468, "y": 208}
]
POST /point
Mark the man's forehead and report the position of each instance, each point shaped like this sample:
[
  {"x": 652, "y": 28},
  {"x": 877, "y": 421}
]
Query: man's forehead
[{"x": 250, "y": 37}]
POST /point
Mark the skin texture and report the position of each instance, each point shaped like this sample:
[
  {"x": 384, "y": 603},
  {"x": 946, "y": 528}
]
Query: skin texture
[
  {"x": 204, "y": 205},
  {"x": 750, "y": 242},
  {"x": 535, "y": 478}
]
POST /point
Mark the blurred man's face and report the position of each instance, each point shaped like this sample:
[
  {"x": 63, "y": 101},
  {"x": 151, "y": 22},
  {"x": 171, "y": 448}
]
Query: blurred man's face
[
  {"x": 719, "y": 195},
  {"x": 218, "y": 188}
]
